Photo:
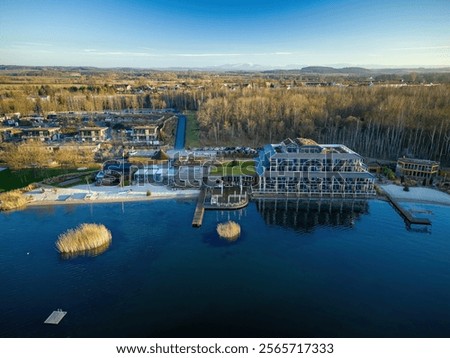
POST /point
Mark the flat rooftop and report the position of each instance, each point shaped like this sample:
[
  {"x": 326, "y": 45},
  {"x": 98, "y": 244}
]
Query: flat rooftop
[
  {"x": 325, "y": 148},
  {"x": 418, "y": 161}
]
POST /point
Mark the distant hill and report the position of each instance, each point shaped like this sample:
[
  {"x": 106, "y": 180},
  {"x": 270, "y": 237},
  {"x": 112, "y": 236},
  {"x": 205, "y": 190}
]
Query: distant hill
[
  {"x": 320, "y": 70},
  {"x": 238, "y": 67},
  {"x": 356, "y": 71}
]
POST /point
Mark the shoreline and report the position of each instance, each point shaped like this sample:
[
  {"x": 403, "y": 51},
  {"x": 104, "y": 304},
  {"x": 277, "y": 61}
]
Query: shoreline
[
  {"x": 106, "y": 201},
  {"x": 85, "y": 194},
  {"x": 103, "y": 195}
]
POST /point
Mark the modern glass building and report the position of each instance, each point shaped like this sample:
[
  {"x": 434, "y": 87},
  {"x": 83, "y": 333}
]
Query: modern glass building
[{"x": 301, "y": 167}]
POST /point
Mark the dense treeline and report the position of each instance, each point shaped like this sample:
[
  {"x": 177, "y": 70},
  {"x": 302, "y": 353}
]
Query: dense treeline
[
  {"x": 253, "y": 109},
  {"x": 378, "y": 122},
  {"x": 35, "y": 154},
  {"x": 74, "y": 101}
]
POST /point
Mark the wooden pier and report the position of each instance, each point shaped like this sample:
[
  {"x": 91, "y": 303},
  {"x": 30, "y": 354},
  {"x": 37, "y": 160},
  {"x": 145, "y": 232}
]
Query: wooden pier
[
  {"x": 200, "y": 209},
  {"x": 406, "y": 214}
]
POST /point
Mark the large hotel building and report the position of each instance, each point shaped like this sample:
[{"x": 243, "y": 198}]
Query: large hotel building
[{"x": 301, "y": 167}]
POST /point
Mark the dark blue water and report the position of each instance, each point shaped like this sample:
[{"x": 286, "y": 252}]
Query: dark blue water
[
  {"x": 180, "y": 136},
  {"x": 295, "y": 272}
]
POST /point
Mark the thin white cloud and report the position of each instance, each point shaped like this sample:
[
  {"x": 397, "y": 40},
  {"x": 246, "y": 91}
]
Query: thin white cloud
[
  {"x": 22, "y": 44},
  {"x": 206, "y": 54},
  {"x": 119, "y": 53},
  {"x": 233, "y": 54},
  {"x": 421, "y": 48},
  {"x": 147, "y": 54}
]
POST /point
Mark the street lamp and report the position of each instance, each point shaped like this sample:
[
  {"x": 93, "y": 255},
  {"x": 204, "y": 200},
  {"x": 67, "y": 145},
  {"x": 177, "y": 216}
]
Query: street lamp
[{"x": 123, "y": 168}]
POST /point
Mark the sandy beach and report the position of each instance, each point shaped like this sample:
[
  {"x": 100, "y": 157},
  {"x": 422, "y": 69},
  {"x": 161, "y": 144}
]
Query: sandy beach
[
  {"x": 102, "y": 194},
  {"x": 417, "y": 194}
]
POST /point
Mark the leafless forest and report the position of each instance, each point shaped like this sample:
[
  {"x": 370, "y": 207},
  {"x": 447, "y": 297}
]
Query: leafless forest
[
  {"x": 384, "y": 117},
  {"x": 377, "y": 122}
]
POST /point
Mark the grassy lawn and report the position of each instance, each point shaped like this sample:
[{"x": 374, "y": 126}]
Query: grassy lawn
[
  {"x": 19, "y": 178},
  {"x": 192, "y": 139},
  {"x": 244, "y": 167}
]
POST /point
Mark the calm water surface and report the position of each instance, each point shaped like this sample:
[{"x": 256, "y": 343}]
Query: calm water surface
[{"x": 294, "y": 272}]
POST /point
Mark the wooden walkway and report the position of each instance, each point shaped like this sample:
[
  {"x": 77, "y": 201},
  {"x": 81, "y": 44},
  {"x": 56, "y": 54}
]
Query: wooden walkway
[
  {"x": 406, "y": 214},
  {"x": 55, "y": 317},
  {"x": 200, "y": 209}
]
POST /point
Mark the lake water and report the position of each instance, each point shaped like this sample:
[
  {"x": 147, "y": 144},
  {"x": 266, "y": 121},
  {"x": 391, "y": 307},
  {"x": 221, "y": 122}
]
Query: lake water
[{"x": 296, "y": 271}]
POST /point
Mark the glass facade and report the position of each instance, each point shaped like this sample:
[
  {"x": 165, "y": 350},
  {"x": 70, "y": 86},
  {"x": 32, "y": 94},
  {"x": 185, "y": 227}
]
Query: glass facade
[{"x": 290, "y": 168}]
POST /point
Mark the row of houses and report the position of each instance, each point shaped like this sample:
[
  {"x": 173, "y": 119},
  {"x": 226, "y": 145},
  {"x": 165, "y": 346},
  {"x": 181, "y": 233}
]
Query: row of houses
[{"x": 148, "y": 134}]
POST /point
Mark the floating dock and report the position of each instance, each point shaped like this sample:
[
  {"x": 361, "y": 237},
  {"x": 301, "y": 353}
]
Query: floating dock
[
  {"x": 55, "y": 317},
  {"x": 242, "y": 203},
  {"x": 406, "y": 214},
  {"x": 200, "y": 209}
]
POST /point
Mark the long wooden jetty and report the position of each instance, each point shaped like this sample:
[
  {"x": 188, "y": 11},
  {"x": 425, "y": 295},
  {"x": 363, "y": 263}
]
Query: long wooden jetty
[
  {"x": 199, "y": 209},
  {"x": 406, "y": 214}
]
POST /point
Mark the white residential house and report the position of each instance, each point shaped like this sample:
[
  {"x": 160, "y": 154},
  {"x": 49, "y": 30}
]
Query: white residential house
[
  {"x": 92, "y": 134},
  {"x": 44, "y": 134},
  {"x": 148, "y": 134}
]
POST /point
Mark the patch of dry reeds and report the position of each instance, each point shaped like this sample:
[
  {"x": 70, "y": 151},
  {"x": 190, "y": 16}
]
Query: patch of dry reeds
[
  {"x": 12, "y": 200},
  {"x": 84, "y": 238},
  {"x": 89, "y": 253},
  {"x": 229, "y": 230}
]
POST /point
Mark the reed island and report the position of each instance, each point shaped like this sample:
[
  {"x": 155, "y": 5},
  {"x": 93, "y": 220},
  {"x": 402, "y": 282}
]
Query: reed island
[
  {"x": 84, "y": 238},
  {"x": 229, "y": 231}
]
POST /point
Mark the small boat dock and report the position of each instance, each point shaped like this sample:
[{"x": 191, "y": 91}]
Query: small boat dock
[
  {"x": 406, "y": 214},
  {"x": 199, "y": 209},
  {"x": 207, "y": 200},
  {"x": 233, "y": 202}
]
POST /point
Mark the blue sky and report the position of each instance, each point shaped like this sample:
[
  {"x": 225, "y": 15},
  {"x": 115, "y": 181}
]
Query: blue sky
[{"x": 191, "y": 33}]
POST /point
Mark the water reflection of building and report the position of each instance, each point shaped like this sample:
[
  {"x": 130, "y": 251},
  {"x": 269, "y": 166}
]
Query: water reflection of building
[{"x": 305, "y": 215}]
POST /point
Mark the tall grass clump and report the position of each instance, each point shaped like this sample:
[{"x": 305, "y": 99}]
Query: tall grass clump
[
  {"x": 229, "y": 230},
  {"x": 84, "y": 238},
  {"x": 12, "y": 200}
]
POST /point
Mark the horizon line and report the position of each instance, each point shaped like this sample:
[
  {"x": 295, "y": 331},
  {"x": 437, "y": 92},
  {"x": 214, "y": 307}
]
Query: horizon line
[{"x": 257, "y": 67}]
